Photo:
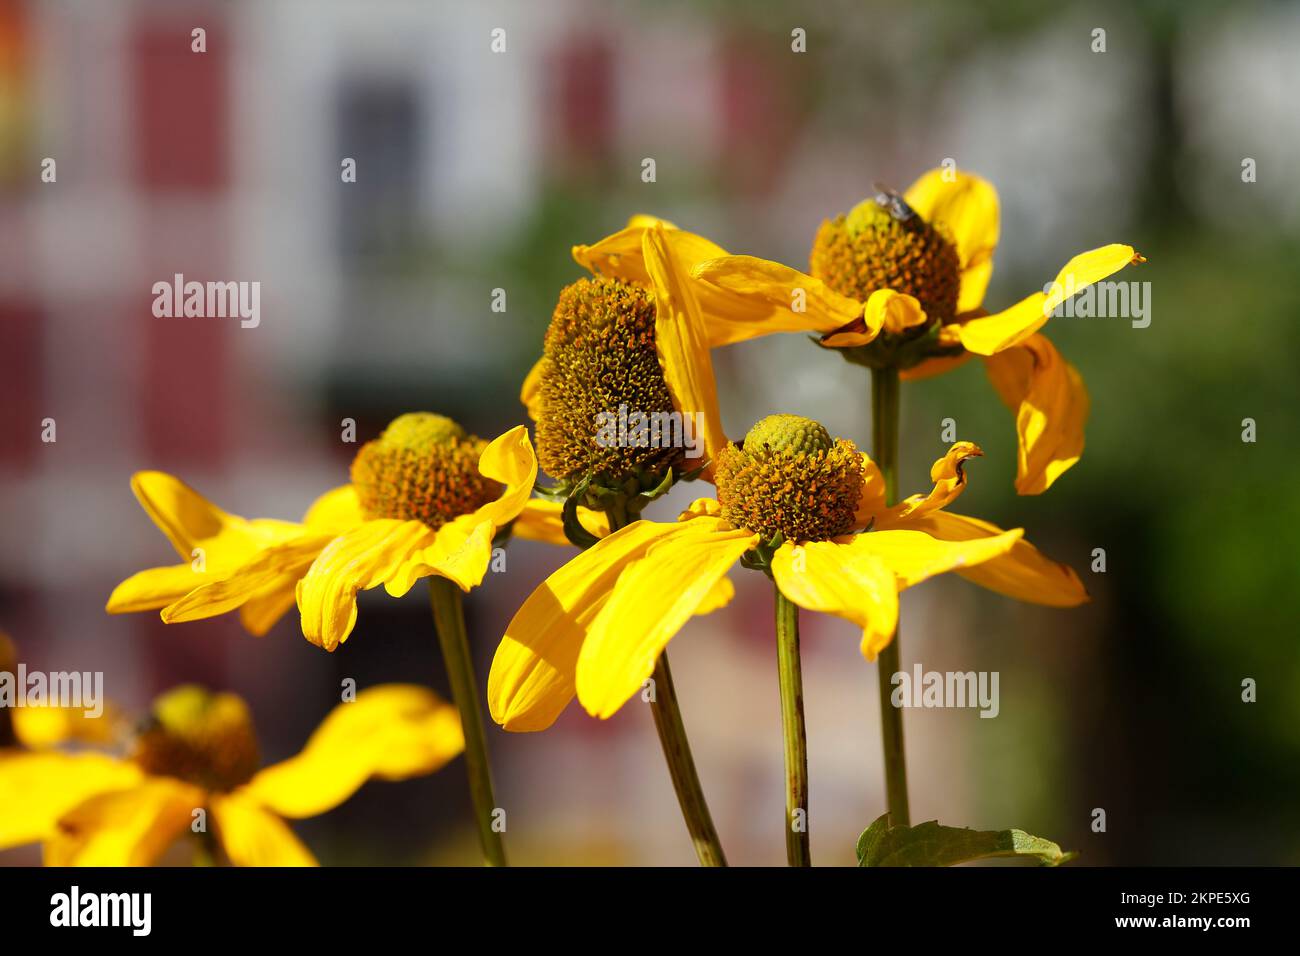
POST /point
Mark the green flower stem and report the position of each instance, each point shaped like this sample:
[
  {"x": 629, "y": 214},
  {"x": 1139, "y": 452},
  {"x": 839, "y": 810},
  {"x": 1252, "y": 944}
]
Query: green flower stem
[
  {"x": 681, "y": 767},
  {"x": 792, "y": 724},
  {"x": 884, "y": 441},
  {"x": 677, "y": 750},
  {"x": 449, "y": 621}
]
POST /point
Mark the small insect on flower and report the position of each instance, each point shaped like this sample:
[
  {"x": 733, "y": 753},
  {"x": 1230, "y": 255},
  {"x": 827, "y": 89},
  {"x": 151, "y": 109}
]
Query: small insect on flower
[
  {"x": 898, "y": 282},
  {"x": 886, "y": 198},
  {"x": 193, "y": 768}
]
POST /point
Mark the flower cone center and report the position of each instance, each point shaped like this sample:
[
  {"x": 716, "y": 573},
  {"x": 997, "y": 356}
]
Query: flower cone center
[
  {"x": 424, "y": 467},
  {"x": 790, "y": 478},
  {"x": 204, "y": 738},
  {"x": 871, "y": 248},
  {"x": 600, "y": 357}
]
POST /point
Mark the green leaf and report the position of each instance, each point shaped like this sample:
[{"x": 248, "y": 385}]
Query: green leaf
[{"x": 929, "y": 844}]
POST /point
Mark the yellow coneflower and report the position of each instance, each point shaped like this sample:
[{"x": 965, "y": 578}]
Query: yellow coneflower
[
  {"x": 898, "y": 284},
  {"x": 426, "y": 500},
  {"x": 194, "y": 766},
  {"x": 623, "y": 338},
  {"x": 791, "y": 502},
  {"x": 42, "y": 727},
  {"x": 628, "y": 341},
  {"x": 599, "y": 356},
  {"x": 620, "y": 267},
  {"x": 813, "y": 508}
]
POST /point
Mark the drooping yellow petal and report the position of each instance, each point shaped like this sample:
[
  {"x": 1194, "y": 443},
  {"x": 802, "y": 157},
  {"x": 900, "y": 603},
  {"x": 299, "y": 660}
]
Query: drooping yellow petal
[
  {"x": 842, "y": 580},
  {"x": 542, "y": 520},
  {"x": 531, "y": 392},
  {"x": 949, "y": 477},
  {"x": 533, "y": 671},
  {"x": 991, "y": 334},
  {"x": 252, "y": 836},
  {"x": 125, "y": 827},
  {"x": 764, "y": 297},
  {"x": 261, "y": 612},
  {"x": 1023, "y": 572},
  {"x": 720, "y": 595},
  {"x": 885, "y": 310},
  {"x": 181, "y": 513},
  {"x": 973, "y": 284},
  {"x": 1051, "y": 406},
  {"x": 1089, "y": 267},
  {"x": 36, "y": 789},
  {"x": 849, "y": 339},
  {"x": 652, "y": 599},
  {"x": 1002, "y": 330},
  {"x": 621, "y": 255},
  {"x": 461, "y": 552},
  {"x": 397, "y": 554},
  {"x": 192, "y": 522},
  {"x": 701, "y": 508},
  {"x": 271, "y": 566},
  {"x": 893, "y": 311},
  {"x": 871, "y": 497},
  {"x": 155, "y": 588},
  {"x": 641, "y": 220},
  {"x": 510, "y": 460},
  {"x": 228, "y": 560},
  {"x": 914, "y": 556},
  {"x": 966, "y": 206},
  {"x": 727, "y": 319},
  {"x": 617, "y": 255},
  {"x": 681, "y": 343},
  {"x": 336, "y": 511},
  {"x": 390, "y": 732},
  {"x": 362, "y": 558}
]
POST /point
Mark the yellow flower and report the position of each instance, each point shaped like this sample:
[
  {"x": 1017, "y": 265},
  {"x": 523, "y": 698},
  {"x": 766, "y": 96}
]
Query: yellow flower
[
  {"x": 43, "y": 726},
  {"x": 630, "y": 337},
  {"x": 901, "y": 281},
  {"x": 198, "y": 751},
  {"x": 789, "y": 500},
  {"x": 425, "y": 499}
]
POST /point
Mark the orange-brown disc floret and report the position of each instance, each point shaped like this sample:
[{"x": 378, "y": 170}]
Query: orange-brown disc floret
[
  {"x": 424, "y": 467},
  {"x": 600, "y": 365},
  {"x": 204, "y": 738},
  {"x": 872, "y": 249},
  {"x": 790, "y": 477}
]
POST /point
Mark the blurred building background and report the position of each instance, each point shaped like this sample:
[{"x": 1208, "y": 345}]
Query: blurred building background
[{"x": 478, "y": 170}]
